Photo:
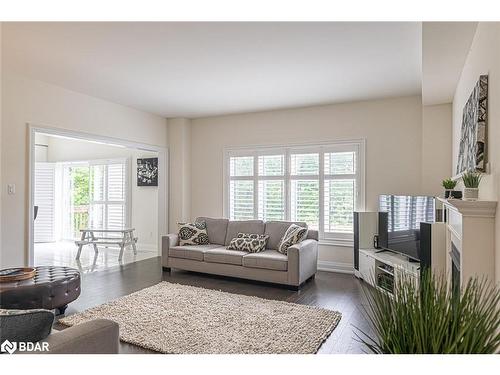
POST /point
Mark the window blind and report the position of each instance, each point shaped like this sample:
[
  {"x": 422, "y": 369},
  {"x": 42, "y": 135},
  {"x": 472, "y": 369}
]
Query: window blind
[{"x": 319, "y": 185}]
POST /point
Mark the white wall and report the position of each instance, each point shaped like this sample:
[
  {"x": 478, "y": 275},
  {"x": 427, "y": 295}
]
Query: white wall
[
  {"x": 179, "y": 139},
  {"x": 436, "y": 147},
  {"x": 29, "y": 101},
  {"x": 483, "y": 58},
  {"x": 392, "y": 128},
  {"x": 144, "y": 199}
]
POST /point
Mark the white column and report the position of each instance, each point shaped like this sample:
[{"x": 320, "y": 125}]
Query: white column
[{"x": 179, "y": 141}]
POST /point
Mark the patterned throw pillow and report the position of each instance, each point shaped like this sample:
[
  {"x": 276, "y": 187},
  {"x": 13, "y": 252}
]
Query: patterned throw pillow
[
  {"x": 253, "y": 243},
  {"x": 294, "y": 234},
  {"x": 193, "y": 233}
]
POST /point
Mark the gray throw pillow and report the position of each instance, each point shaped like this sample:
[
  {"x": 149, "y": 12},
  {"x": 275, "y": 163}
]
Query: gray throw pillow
[{"x": 25, "y": 325}]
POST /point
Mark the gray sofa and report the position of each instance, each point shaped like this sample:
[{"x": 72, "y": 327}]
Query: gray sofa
[{"x": 293, "y": 269}]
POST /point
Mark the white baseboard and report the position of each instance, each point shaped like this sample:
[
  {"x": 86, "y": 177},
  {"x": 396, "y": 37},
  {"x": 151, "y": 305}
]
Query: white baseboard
[
  {"x": 146, "y": 247},
  {"x": 339, "y": 267}
]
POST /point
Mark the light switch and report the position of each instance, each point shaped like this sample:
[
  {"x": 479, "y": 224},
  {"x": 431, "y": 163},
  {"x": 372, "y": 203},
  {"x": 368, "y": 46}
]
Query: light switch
[{"x": 11, "y": 189}]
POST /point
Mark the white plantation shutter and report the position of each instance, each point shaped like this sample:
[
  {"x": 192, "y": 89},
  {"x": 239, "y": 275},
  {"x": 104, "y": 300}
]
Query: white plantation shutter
[
  {"x": 116, "y": 182},
  {"x": 340, "y": 176},
  {"x": 44, "y": 230},
  {"x": 339, "y": 205},
  {"x": 108, "y": 194},
  {"x": 271, "y": 187},
  {"x": 304, "y": 188},
  {"x": 305, "y": 202},
  {"x": 271, "y": 200},
  {"x": 319, "y": 185},
  {"x": 242, "y": 204}
]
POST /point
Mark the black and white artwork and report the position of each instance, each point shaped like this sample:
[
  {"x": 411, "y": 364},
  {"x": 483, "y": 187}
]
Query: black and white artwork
[
  {"x": 147, "y": 172},
  {"x": 472, "y": 151}
]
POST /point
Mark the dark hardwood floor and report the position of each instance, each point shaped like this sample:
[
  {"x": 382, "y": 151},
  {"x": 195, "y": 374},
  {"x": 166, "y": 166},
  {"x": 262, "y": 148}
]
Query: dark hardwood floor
[{"x": 333, "y": 291}]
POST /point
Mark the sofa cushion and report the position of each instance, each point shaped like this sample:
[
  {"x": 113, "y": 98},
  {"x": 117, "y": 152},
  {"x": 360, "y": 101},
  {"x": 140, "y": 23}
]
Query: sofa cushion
[
  {"x": 216, "y": 229},
  {"x": 222, "y": 255},
  {"x": 267, "y": 259},
  {"x": 193, "y": 233},
  {"x": 243, "y": 226},
  {"x": 276, "y": 230},
  {"x": 252, "y": 243},
  {"x": 294, "y": 234},
  {"x": 194, "y": 252},
  {"x": 25, "y": 325}
]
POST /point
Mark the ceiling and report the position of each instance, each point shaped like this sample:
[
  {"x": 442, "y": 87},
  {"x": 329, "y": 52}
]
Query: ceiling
[
  {"x": 445, "y": 48},
  {"x": 204, "y": 69}
]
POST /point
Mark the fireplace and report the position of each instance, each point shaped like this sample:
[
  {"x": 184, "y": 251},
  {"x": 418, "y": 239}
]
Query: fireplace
[{"x": 455, "y": 269}]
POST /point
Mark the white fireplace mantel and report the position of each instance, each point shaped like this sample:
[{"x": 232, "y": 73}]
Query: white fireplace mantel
[
  {"x": 471, "y": 235},
  {"x": 471, "y": 208}
]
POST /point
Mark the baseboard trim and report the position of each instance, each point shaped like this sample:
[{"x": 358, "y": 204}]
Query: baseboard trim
[
  {"x": 146, "y": 247},
  {"x": 338, "y": 267}
]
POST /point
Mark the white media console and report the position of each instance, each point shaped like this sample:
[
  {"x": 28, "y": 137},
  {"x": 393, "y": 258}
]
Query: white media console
[{"x": 384, "y": 269}]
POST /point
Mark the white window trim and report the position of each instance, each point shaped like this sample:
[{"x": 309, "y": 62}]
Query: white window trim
[{"x": 333, "y": 239}]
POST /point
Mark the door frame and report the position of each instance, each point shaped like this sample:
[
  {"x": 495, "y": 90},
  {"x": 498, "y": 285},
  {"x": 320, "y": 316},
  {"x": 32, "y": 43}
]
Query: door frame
[{"x": 163, "y": 177}]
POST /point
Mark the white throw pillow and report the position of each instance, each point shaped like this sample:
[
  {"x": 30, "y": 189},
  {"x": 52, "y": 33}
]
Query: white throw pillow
[
  {"x": 294, "y": 234},
  {"x": 193, "y": 233}
]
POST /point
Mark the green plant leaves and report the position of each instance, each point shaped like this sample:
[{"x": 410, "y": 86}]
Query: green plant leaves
[
  {"x": 430, "y": 319},
  {"x": 472, "y": 179}
]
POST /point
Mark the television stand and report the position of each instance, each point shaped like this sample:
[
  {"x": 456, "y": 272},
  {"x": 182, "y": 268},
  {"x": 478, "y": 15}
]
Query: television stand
[{"x": 384, "y": 269}]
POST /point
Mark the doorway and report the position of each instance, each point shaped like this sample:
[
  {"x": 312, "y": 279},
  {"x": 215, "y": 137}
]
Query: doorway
[{"x": 79, "y": 183}]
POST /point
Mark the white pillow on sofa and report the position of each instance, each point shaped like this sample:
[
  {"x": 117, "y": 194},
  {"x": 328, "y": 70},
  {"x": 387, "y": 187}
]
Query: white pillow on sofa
[
  {"x": 294, "y": 234},
  {"x": 193, "y": 233}
]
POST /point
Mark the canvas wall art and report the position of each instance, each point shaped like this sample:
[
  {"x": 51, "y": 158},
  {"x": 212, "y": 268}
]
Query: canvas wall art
[
  {"x": 147, "y": 172},
  {"x": 472, "y": 154}
]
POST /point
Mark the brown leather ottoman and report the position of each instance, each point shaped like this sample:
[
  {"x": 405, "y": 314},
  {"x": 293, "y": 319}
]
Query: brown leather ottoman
[{"x": 53, "y": 287}]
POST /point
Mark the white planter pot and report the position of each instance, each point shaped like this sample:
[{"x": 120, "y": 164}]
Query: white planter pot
[{"x": 471, "y": 194}]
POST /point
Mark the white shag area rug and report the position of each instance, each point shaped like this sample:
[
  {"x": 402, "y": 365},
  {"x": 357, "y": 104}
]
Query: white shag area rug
[{"x": 182, "y": 319}]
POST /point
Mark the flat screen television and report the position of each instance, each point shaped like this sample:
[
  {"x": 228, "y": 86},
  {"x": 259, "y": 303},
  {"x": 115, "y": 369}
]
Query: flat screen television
[{"x": 399, "y": 222}]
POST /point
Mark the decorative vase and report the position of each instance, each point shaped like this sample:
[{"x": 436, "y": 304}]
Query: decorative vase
[
  {"x": 456, "y": 194},
  {"x": 447, "y": 193},
  {"x": 471, "y": 194}
]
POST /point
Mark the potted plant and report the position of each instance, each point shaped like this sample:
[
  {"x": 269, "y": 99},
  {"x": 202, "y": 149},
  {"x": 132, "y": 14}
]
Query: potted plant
[
  {"x": 431, "y": 319},
  {"x": 471, "y": 181},
  {"x": 449, "y": 186}
]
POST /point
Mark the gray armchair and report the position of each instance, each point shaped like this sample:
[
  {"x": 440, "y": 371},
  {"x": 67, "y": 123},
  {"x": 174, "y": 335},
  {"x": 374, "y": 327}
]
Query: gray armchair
[{"x": 100, "y": 336}]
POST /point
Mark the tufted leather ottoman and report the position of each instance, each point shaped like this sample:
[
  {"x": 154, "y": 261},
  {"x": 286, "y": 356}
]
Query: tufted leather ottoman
[{"x": 52, "y": 287}]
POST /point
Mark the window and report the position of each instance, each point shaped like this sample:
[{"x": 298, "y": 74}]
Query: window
[
  {"x": 108, "y": 188},
  {"x": 95, "y": 195},
  {"x": 320, "y": 185}
]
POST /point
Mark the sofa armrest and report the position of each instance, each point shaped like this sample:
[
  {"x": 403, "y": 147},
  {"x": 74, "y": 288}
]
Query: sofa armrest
[
  {"x": 100, "y": 336},
  {"x": 302, "y": 261},
  {"x": 166, "y": 243}
]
